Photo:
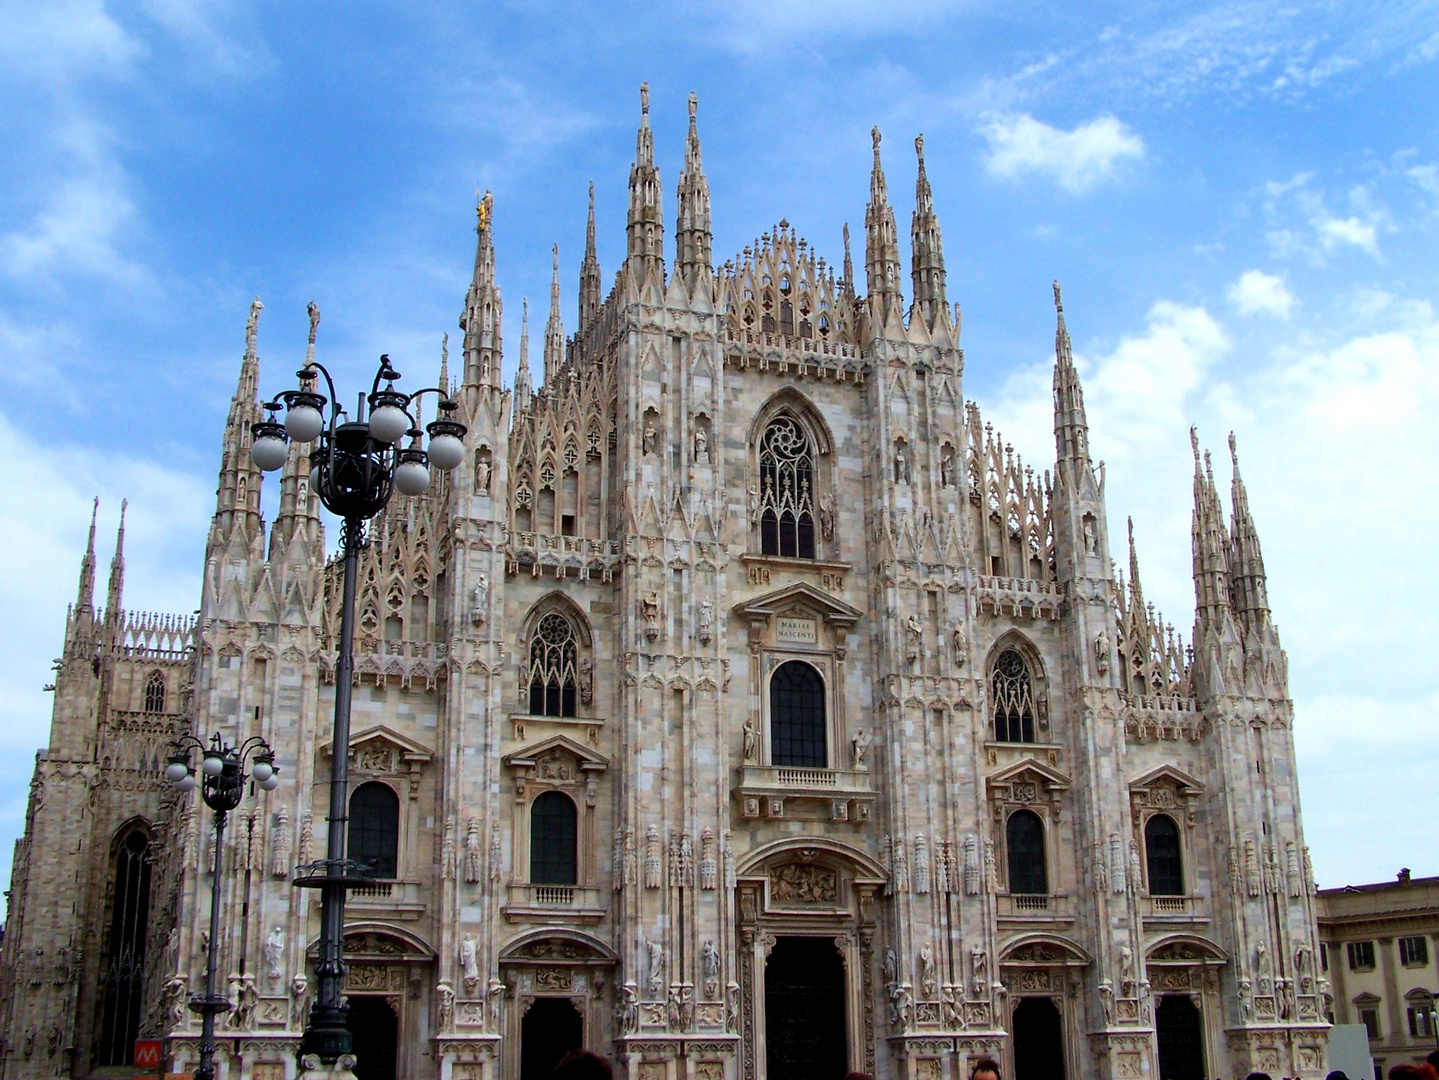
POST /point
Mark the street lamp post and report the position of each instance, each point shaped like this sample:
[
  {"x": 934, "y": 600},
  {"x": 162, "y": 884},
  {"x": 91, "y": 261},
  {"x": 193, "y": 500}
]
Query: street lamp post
[
  {"x": 355, "y": 464},
  {"x": 222, "y": 786}
]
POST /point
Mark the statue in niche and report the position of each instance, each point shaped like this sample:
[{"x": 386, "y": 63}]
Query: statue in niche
[
  {"x": 751, "y": 741},
  {"x": 627, "y": 1011},
  {"x": 959, "y": 645},
  {"x": 650, "y": 608},
  {"x": 655, "y": 951},
  {"x": 650, "y": 439},
  {"x": 469, "y": 962},
  {"x": 859, "y": 746},
  {"x": 472, "y": 851},
  {"x": 926, "y": 971},
  {"x": 702, "y": 446},
  {"x": 901, "y": 464},
  {"x": 1091, "y": 538},
  {"x": 275, "y": 955},
  {"x": 946, "y": 467},
  {"x": 914, "y": 637},
  {"x": 706, "y": 621},
  {"x": 445, "y": 1002},
  {"x": 482, "y": 473},
  {"x": 827, "y": 515},
  {"x": 587, "y": 679},
  {"x": 711, "y": 962},
  {"x": 479, "y": 600},
  {"x": 299, "y": 1001},
  {"x": 1101, "y": 653}
]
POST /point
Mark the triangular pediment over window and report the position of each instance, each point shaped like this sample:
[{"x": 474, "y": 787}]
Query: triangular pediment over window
[
  {"x": 380, "y": 738},
  {"x": 1181, "y": 781},
  {"x": 830, "y": 608},
  {"x": 528, "y": 756},
  {"x": 1028, "y": 770}
]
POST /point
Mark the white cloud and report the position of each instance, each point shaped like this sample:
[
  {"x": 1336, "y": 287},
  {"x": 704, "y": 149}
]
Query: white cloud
[
  {"x": 1425, "y": 176},
  {"x": 60, "y": 40},
  {"x": 1335, "y": 231},
  {"x": 1258, "y": 293},
  {"x": 1077, "y": 160}
]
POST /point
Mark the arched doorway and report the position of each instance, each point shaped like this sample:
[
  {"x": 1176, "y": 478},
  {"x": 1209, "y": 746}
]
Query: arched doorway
[
  {"x": 804, "y": 1010},
  {"x": 1038, "y": 1034},
  {"x": 375, "y": 1029},
  {"x": 550, "y": 1030},
  {"x": 1181, "y": 1038}
]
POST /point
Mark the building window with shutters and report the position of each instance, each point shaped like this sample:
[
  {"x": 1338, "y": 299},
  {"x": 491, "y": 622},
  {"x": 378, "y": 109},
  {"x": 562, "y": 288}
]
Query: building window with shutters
[
  {"x": 374, "y": 836},
  {"x": 797, "y": 717},
  {"x": 1361, "y": 955},
  {"x": 1024, "y": 853},
  {"x": 1414, "y": 951}
]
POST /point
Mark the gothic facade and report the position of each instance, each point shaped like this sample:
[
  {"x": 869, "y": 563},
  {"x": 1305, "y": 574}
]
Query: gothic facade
[{"x": 743, "y": 707}]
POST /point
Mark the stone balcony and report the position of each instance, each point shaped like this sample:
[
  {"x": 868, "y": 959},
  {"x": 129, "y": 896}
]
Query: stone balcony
[
  {"x": 561, "y": 903},
  {"x": 783, "y": 791},
  {"x": 397, "y": 899},
  {"x": 560, "y": 556},
  {"x": 1035, "y": 909},
  {"x": 1161, "y": 911}
]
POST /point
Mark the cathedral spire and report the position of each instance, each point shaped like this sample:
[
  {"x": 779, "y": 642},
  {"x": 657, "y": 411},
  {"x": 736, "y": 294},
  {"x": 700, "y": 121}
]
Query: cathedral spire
[
  {"x": 444, "y": 383},
  {"x": 589, "y": 271},
  {"x": 927, "y": 250},
  {"x": 881, "y": 249},
  {"x": 483, "y": 309},
  {"x": 299, "y": 510},
  {"x": 645, "y": 228},
  {"x": 523, "y": 385},
  {"x": 1211, "y": 544},
  {"x": 554, "y": 329},
  {"x": 1071, "y": 427},
  {"x": 848, "y": 283},
  {"x": 1250, "y": 583},
  {"x": 85, "y": 598},
  {"x": 237, "y": 501},
  {"x": 115, "y": 593},
  {"x": 692, "y": 229}
]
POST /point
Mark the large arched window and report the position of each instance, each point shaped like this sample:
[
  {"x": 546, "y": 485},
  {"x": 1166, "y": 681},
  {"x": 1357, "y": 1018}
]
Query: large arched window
[
  {"x": 553, "y": 659},
  {"x": 155, "y": 693},
  {"x": 1012, "y": 692},
  {"x": 1024, "y": 848},
  {"x": 553, "y": 840},
  {"x": 375, "y": 829},
  {"x": 1161, "y": 853},
  {"x": 786, "y": 489},
  {"x": 125, "y": 966},
  {"x": 796, "y": 717}
]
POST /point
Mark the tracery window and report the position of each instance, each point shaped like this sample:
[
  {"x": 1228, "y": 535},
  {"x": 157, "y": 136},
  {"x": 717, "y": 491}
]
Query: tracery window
[
  {"x": 553, "y": 659},
  {"x": 374, "y": 837},
  {"x": 796, "y": 717},
  {"x": 1012, "y": 691},
  {"x": 1024, "y": 850},
  {"x": 786, "y": 472},
  {"x": 125, "y": 966},
  {"x": 155, "y": 693},
  {"x": 1162, "y": 854},
  {"x": 553, "y": 840}
]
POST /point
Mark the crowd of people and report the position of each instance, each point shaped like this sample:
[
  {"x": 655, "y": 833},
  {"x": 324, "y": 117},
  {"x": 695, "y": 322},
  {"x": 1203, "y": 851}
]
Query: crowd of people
[{"x": 585, "y": 1065}]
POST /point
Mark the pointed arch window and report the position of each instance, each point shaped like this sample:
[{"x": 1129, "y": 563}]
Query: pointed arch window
[
  {"x": 1163, "y": 857},
  {"x": 1024, "y": 850},
  {"x": 796, "y": 717},
  {"x": 1012, "y": 691},
  {"x": 786, "y": 474},
  {"x": 553, "y": 660},
  {"x": 125, "y": 967},
  {"x": 374, "y": 838},
  {"x": 554, "y": 842},
  {"x": 155, "y": 693}
]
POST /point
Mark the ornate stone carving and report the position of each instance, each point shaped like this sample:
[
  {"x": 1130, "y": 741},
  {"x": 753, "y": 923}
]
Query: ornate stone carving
[{"x": 800, "y": 883}]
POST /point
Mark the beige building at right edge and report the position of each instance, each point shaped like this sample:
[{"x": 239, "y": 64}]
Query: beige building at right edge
[{"x": 1378, "y": 944}]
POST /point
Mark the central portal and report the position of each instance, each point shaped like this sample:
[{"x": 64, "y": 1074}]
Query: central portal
[
  {"x": 1038, "y": 1040},
  {"x": 549, "y": 1031},
  {"x": 374, "y": 1029},
  {"x": 804, "y": 1010}
]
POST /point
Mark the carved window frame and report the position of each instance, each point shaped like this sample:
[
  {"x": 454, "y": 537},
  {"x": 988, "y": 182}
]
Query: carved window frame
[
  {"x": 827, "y": 669},
  {"x": 791, "y": 405},
  {"x": 581, "y": 786},
  {"x": 557, "y": 604},
  {"x": 1013, "y": 641},
  {"x": 1168, "y": 792},
  {"x": 400, "y": 830},
  {"x": 1040, "y": 791}
]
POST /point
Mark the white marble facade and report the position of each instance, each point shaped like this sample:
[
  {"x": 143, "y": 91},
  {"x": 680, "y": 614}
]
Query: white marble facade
[{"x": 607, "y": 540}]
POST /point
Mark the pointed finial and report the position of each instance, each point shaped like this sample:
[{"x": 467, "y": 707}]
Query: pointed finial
[
  {"x": 919, "y": 150},
  {"x": 1194, "y": 441},
  {"x": 645, "y": 101},
  {"x": 484, "y": 211},
  {"x": 555, "y": 259},
  {"x": 1131, "y": 534},
  {"x": 694, "y": 106},
  {"x": 312, "y": 309},
  {"x": 875, "y": 136},
  {"x": 252, "y": 323},
  {"x": 1208, "y": 467},
  {"x": 94, "y": 513},
  {"x": 525, "y": 312},
  {"x": 846, "y": 240},
  {"x": 1233, "y": 452},
  {"x": 1058, "y": 301},
  {"x": 445, "y": 364}
]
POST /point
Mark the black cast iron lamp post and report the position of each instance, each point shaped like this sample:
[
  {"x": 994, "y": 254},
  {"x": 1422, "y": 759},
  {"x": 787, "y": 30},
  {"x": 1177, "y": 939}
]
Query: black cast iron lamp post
[
  {"x": 354, "y": 465},
  {"x": 222, "y": 786}
]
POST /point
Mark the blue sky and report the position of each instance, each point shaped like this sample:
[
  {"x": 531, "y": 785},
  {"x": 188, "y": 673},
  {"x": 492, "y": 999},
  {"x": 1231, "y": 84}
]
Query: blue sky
[{"x": 1241, "y": 200}]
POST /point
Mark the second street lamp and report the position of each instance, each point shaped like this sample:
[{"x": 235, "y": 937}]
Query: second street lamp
[
  {"x": 222, "y": 786},
  {"x": 355, "y": 465}
]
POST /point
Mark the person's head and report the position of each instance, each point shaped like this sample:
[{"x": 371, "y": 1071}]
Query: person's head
[
  {"x": 1433, "y": 1058},
  {"x": 1258, "y": 1076},
  {"x": 1404, "y": 1072},
  {"x": 1427, "y": 1071},
  {"x": 583, "y": 1065},
  {"x": 984, "y": 1069},
  {"x": 1337, "y": 1074},
  {"x": 857, "y": 1076}
]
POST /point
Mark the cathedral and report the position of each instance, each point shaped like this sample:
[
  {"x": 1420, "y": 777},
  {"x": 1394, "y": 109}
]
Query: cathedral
[{"x": 742, "y": 707}]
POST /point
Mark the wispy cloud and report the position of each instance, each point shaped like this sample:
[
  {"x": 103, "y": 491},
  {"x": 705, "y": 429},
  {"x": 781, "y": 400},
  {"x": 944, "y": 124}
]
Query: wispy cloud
[
  {"x": 1301, "y": 222},
  {"x": 1077, "y": 160},
  {"x": 1257, "y": 293}
]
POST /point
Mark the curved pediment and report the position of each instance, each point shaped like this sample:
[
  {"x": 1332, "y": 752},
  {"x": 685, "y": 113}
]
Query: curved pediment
[
  {"x": 1044, "y": 949},
  {"x": 807, "y": 849},
  {"x": 548, "y": 945}
]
